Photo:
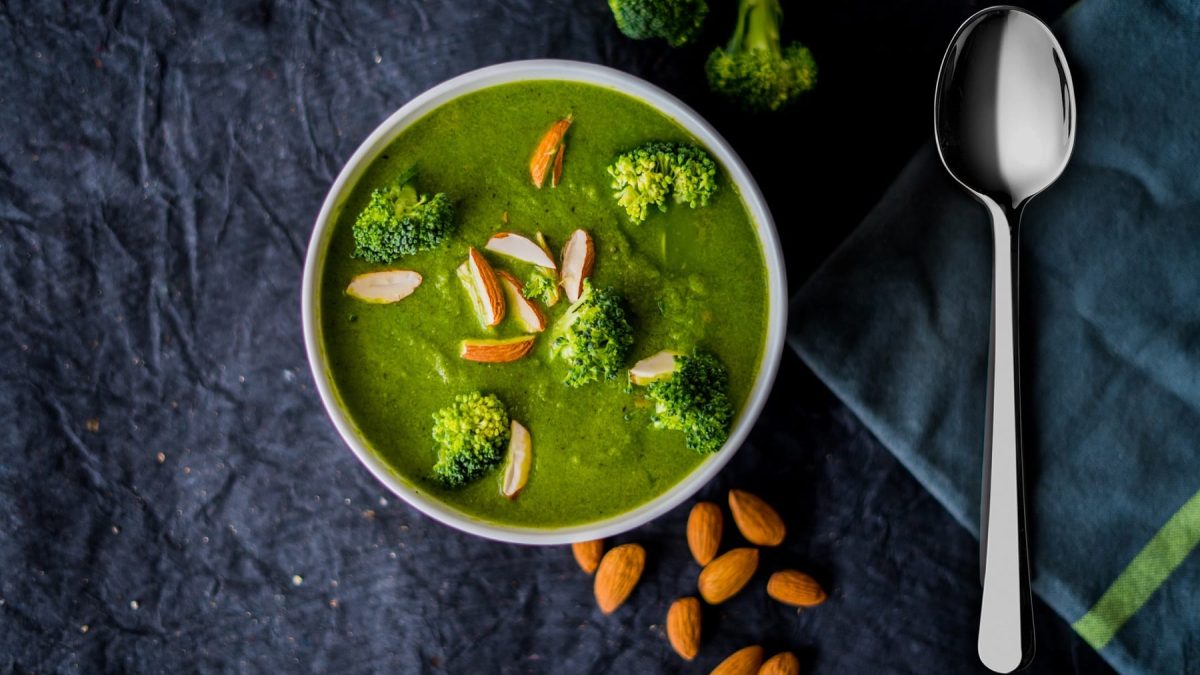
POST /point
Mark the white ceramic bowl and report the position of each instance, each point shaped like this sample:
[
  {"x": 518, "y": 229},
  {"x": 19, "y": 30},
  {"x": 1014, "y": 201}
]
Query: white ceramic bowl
[{"x": 545, "y": 70}]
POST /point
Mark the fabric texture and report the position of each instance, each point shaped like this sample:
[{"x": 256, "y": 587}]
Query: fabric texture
[{"x": 897, "y": 320}]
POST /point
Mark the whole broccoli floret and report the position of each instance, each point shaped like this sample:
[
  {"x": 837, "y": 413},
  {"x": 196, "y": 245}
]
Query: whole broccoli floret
[
  {"x": 676, "y": 21},
  {"x": 398, "y": 221},
  {"x": 471, "y": 436},
  {"x": 593, "y": 337},
  {"x": 647, "y": 175},
  {"x": 753, "y": 69},
  {"x": 693, "y": 400}
]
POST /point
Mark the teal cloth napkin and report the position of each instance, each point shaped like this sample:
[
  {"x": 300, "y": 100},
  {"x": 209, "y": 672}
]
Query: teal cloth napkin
[{"x": 896, "y": 323}]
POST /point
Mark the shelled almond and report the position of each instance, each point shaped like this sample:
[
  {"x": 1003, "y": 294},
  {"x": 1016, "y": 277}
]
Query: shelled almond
[
  {"x": 618, "y": 574},
  {"x": 795, "y": 588},
  {"x": 727, "y": 575},
  {"x": 548, "y": 148},
  {"x": 683, "y": 627},
  {"x": 518, "y": 461},
  {"x": 578, "y": 255},
  {"x": 759, "y": 523},
  {"x": 520, "y": 247},
  {"x": 745, "y": 661},
  {"x": 783, "y": 663},
  {"x": 526, "y": 310},
  {"x": 704, "y": 527},
  {"x": 588, "y": 554}
]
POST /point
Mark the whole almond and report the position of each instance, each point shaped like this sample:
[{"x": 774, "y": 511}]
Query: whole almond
[
  {"x": 588, "y": 554},
  {"x": 683, "y": 627},
  {"x": 722, "y": 578},
  {"x": 744, "y": 661},
  {"x": 783, "y": 663},
  {"x": 759, "y": 523},
  {"x": 704, "y": 531},
  {"x": 618, "y": 573},
  {"x": 795, "y": 588}
]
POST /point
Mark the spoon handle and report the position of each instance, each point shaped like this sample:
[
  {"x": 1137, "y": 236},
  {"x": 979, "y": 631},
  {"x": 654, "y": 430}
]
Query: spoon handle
[{"x": 1006, "y": 636}]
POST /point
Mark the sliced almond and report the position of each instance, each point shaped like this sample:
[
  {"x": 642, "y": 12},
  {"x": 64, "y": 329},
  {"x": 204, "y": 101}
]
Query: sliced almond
[
  {"x": 483, "y": 278},
  {"x": 484, "y": 350},
  {"x": 547, "y": 149},
  {"x": 588, "y": 554},
  {"x": 578, "y": 254},
  {"x": 744, "y": 661},
  {"x": 653, "y": 368},
  {"x": 528, "y": 313},
  {"x": 383, "y": 287},
  {"x": 520, "y": 247},
  {"x": 619, "y": 572},
  {"x": 556, "y": 177},
  {"x": 518, "y": 462},
  {"x": 464, "y": 275}
]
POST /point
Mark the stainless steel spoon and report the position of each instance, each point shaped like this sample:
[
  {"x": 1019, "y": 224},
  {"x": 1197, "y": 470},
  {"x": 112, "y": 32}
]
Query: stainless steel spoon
[{"x": 1004, "y": 120}]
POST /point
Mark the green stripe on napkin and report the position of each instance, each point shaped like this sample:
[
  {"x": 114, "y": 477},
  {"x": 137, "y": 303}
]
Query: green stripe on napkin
[{"x": 1149, "y": 569}]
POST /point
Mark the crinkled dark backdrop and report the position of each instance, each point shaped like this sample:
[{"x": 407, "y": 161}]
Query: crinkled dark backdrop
[{"x": 172, "y": 495}]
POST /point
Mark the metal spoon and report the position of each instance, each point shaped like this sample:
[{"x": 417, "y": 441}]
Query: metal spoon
[{"x": 1004, "y": 120}]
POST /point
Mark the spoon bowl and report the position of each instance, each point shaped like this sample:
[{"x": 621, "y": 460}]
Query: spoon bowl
[{"x": 1004, "y": 122}]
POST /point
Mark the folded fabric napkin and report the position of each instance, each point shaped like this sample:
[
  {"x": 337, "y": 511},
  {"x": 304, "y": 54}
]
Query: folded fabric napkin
[{"x": 896, "y": 323}]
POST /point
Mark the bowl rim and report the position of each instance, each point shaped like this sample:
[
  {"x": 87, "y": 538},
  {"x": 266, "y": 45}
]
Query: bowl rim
[{"x": 665, "y": 103}]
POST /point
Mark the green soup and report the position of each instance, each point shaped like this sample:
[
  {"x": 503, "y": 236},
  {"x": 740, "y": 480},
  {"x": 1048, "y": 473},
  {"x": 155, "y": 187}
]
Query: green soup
[{"x": 691, "y": 278}]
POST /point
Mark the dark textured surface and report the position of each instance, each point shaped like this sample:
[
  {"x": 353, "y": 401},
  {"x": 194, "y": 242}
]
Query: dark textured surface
[{"x": 160, "y": 169}]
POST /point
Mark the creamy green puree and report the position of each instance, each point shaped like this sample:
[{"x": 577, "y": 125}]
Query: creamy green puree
[{"x": 691, "y": 278}]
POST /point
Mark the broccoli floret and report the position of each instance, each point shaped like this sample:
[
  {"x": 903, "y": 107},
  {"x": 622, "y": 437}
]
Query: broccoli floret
[
  {"x": 593, "y": 337},
  {"x": 754, "y": 69},
  {"x": 676, "y": 21},
  {"x": 542, "y": 286},
  {"x": 398, "y": 221},
  {"x": 693, "y": 400},
  {"x": 471, "y": 436},
  {"x": 647, "y": 175}
]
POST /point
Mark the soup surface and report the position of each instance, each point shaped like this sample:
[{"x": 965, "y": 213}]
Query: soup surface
[{"x": 691, "y": 278}]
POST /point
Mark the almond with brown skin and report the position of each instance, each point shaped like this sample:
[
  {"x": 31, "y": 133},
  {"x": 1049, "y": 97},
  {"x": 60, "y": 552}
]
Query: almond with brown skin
[
  {"x": 619, "y": 572},
  {"x": 547, "y": 149},
  {"x": 759, "y": 523},
  {"x": 486, "y": 287},
  {"x": 578, "y": 255},
  {"x": 704, "y": 527},
  {"x": 795, "y": 588},
  {"x": 724, "y": 577},
  {"x": 744, "y": 661},
  {"x": 588, "y": 554},
  {"x": 556, "y": 177},
  {"x": 783, "y": 663},
  {"x": 527, "y": 311},
  {"x": 486, "y": 350},
  {"x": 384, "y": 287},
  {"x": 683, "y": 627}
]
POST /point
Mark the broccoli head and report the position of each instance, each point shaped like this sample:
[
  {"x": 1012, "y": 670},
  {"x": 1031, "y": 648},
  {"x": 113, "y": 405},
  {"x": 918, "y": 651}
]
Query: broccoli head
[
  {"x": 693, "y": 400},
  {"x": 398, "y": 221},
  {"x": 676, "y": 21},
  {"x": 593, "y": 337},
  {"x": 648, "y": 174},
  {"x": 471, "y": 436},
  {"x": 754, "y": 69}
]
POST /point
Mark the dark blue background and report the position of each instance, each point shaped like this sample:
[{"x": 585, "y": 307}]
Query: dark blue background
[{"x": 160, "y": 168}]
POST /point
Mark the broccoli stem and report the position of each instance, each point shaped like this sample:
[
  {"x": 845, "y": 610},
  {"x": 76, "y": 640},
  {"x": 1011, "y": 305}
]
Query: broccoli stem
[{"x": 757, "y": 26}]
